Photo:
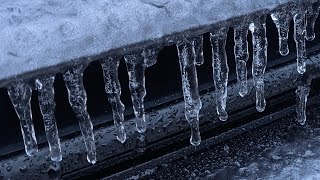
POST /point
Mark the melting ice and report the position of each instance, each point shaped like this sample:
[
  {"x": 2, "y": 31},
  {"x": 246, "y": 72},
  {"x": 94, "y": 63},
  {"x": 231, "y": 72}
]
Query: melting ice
[
  {"x": 190, "y": 87},
  {"x": 241, "y": 57},
  {"x": 78, "y": 101},
  {"x": 302, "y": 93},
  {"x": 220, "y": 70},
  {"x": 282, "y": 18},
  {"x": 113, "y": 89},
  {"x": 20, "y": 95},
  {"x": 259, "y": 42},
  {"x": 137, "y": 62},
  {"x": 47, "y": 107},
  {"x": 136, "y": 68},
  {"x": 299, "y": 36},
  {"x": 311, "y": 16},
  {"x": 190, "y": 52}
]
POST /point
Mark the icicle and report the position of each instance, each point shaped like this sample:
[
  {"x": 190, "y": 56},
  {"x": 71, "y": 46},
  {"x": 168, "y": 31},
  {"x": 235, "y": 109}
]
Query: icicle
[
  {"x": 302, "y": 97},
  {"x": 197, "y": 47},
  {"x": 260, "y": 45},
  {"x": 113, "y": 90},
  {"x": 141, "y": 143},
  {"x": 220, "y": 71},
  {"x": 78, "y": 102},
  {"x": 150, "y": 55},
  {"x": 241, "y": 56},
  {"x": 312, "y": 14},
  {"x": 47, "y": 108},
  {"x": 20, "y": 95},
  {"x": 136, "y": 68},
  {"x": 299, "y": 37},
  {"x": 282, "y": 18},
  {"x": 190, "y": 88}
]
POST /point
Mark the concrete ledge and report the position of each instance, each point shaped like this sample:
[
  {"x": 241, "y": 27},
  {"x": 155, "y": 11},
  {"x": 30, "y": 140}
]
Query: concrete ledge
[{"x": 42, "y": 34}]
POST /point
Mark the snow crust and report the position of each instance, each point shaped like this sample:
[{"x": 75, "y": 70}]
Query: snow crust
[{"x": 41, "y": 33}]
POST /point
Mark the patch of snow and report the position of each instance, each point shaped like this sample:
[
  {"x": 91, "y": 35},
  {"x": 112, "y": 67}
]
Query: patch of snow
[{"x": 42, "y": 33}]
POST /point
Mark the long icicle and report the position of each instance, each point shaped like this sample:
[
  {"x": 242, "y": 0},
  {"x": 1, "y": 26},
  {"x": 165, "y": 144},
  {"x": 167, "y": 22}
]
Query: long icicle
[
  {"x": 113, "y": 89},
  {"x": 220, "y": 71},
  {"x": 312, "y": 14},
  {"x": 302, "y": 93},
  {"x": 190, "y": 88},
  {"x": 260, "y": 45},
  {"x": 47, "y": 108},
  {"x": 241, "y": 57},
  {"x": 78, "y": 101},
  {"x": 299, "y": 37},
  {"x": 136, "y": 68},
  {"x": 20, "y": 95},
  {"x": 282, "y": 18}
]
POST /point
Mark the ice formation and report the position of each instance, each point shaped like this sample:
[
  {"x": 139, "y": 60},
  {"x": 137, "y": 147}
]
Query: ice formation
[
  {"x": 78, "y": 101},
  {"x": 302, "y": 97},
  {"x": 220, "y": 70},
  {"x": 299, "y": 15},
  {"x": 190, "y": 52},
  {"x": 241, "y": 56},
  {"x": 113, "y": 89},
  {"x": 311, "y": 16},
  {"x": 197, "y": 47},
  {"x": 20, "y": 95},
  {"x": 136, "y": 68},
  {"x": 191, "y": 95},
  {"x": 47, "y": 107},
  {"x": 259, "y": 63},
  {"x": 282, "y": 18},
  {"x": 137, "y": 63}
]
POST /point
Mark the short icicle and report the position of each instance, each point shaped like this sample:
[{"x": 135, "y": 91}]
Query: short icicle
[
  {"x": 197, "y": 47},
  {"x": 282, "y": 18},
  {"x": 302, "y": 93},
  {"x": 260, "y": 45},
  {"x": 312, "y": 14},
  {"x": 150, "y": 55},
  {"x": 299, "y": 15},
  {"x": 78, "y": 101},
  {"x": 136, "y": 68},
  {"x": 137, "y": 62},
  {"x": 241, "y": 57},
  {"x": 47, "y": 108},
  {"x": 220, "y": 71},
  {"x": 20, "y": 94},
  {"x": 113, "y": 89},
  {"x": 190, "y": 88}
]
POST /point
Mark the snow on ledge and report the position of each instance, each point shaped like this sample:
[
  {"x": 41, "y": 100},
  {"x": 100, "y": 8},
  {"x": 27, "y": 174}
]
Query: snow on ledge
[{"x": 42, "y": 33}]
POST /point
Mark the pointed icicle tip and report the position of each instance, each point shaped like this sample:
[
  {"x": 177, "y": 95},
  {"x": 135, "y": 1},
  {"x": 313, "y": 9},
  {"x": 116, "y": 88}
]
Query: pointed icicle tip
[
  {"x": 113, "y": 90},
  {"x": 220, "y": 71},
  {"x": 302, "y": 94},
  {"x": 259, "y": 63},
  {"x": 190, "y": 88},
  {"x": 20, "y": 94},
  {"x": 241, "y": 57},
  {"x": 136, "y": 72}
]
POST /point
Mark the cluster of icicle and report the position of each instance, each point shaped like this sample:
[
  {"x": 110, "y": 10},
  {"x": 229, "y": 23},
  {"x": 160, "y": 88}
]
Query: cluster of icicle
[{"x": 190, "y": 52}]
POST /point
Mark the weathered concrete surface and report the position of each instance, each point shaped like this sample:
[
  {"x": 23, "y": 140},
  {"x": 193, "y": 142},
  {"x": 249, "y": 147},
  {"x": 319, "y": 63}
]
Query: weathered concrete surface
[{"x": 41, "y": 33}]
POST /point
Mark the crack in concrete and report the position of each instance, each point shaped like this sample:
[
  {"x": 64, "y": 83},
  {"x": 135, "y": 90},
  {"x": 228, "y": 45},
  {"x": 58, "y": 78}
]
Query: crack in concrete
[{"x": 158, "y": 5}]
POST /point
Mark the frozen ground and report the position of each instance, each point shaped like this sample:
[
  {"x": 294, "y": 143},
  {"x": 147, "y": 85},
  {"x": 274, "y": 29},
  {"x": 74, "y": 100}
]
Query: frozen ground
[
  {"x": 42, "y": 33},
  {"x": 282, "y": 150}
]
